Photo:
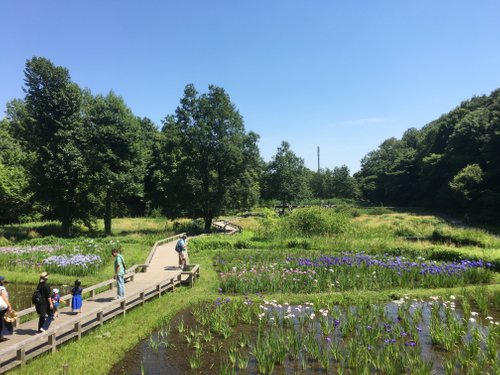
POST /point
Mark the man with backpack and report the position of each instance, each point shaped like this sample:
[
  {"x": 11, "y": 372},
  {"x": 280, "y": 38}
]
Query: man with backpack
[{"x": 181, "y": 249}]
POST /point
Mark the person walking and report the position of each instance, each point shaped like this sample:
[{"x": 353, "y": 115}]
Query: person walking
[
  {"x": 45, "y": 309},
  {"x": 5, "y": 305},
  {"x": 181, "y": 248},
  {"x": 119, "y": 266}
]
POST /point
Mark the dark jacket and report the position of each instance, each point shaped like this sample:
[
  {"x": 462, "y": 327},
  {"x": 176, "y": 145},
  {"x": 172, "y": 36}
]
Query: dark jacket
[{"x": 44, "y": 307}]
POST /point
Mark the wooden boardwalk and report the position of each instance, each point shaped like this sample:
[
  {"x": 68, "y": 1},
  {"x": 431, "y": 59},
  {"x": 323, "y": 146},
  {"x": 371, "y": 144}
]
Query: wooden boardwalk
[{"x": 159, "y": 274}]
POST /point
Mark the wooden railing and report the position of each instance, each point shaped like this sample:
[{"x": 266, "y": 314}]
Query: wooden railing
[
  {"x": 108, "y": 284},
  {"x": 48, "y": 341},
  {"x": 223, "y": 227}
]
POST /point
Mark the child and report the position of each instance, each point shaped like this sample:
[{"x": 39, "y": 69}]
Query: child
[
  {"x": 56, "y": 299},
  {"x": 76, "y": 301}
]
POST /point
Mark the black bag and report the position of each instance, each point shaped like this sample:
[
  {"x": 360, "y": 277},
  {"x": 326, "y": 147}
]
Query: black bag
[{"x": 36, "y": 299}]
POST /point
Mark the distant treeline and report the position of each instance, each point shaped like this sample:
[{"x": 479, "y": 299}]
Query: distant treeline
[{"x": 452, "y": 163}]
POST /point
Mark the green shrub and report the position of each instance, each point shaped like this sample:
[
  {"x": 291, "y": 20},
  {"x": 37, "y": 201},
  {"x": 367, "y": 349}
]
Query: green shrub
[{"x": 316, "y": 221}]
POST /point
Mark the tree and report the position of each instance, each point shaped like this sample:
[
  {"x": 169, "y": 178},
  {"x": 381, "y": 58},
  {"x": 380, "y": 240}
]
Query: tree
[
  {"x": 342, "y": 184},
  {"x": 116, "y": 152},
  {"x": 58, "y": 138},
  {"x": 14, "y": 183},
  {"x": 466, "y": 183},
  {"x": 286, "y": 177},
  {"x": 206, "y": 162}
]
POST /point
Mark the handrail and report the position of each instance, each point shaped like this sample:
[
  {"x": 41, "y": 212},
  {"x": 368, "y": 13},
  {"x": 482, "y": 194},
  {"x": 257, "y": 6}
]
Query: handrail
[
  {"x": 228, "y": 223},
  {"x": 129, "y": 274}
]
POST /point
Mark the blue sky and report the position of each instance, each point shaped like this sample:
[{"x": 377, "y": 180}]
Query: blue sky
[{"x": 341, "y": 75}]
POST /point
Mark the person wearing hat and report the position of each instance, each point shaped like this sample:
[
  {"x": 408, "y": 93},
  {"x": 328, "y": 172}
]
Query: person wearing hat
[
  {"x": 181, "y": 248},
  {"x": 45, "y": 309},
  {"x": 5, "y": 296}
]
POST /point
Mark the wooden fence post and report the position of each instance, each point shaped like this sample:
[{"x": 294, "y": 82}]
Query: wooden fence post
[
  {"x": 52, "y": 342},
  {"x": 123, "y": 307},
  {"x": 142, "y": 298},
  {"x": 65, "y": 369},
  {"x": 100, "y": 317},
  {"x": 20, "y": 356},
  {"x": 78, "y": 330}
]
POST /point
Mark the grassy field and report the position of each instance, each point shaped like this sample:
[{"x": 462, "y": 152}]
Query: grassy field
[{"x": 375, "y": 232}]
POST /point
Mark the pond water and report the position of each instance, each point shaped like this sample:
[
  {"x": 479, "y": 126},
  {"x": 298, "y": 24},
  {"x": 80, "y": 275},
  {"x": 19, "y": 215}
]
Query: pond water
[
  {"x": 20, "y": 294},
  {"x": 167, "y": 352}
]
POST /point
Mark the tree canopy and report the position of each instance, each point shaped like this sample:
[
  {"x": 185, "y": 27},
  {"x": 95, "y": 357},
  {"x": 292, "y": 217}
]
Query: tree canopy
[
  {"x": 449, "y": 164},
  {"x": 205, "y": 162}
]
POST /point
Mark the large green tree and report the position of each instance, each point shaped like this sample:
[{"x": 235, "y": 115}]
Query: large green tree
[
  {"x": 116, "y": 157},
  {"x": 60, "y": 175},
  {"x": 286, "y": 177},
  {"x": 205, "y": 161}
]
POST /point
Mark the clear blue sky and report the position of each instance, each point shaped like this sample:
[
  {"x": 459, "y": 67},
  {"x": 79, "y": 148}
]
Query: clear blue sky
[{"x": 342, "y": 75}]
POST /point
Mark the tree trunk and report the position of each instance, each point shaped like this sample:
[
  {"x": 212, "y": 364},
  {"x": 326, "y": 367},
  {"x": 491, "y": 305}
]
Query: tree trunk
[
  {"x": 108, "y": 214},
  {"x": 67, "y": 226},
  {"x": 208, "y": 223}
]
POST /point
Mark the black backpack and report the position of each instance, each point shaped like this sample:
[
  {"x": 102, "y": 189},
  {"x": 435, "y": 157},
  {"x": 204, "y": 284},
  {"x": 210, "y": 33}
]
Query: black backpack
[
  {"x": 36, "y": 299},
  {"x": 179, "y": 247}
]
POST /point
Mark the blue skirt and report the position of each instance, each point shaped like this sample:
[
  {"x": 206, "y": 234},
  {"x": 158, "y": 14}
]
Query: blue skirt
[{"x": 76, "y": 302}]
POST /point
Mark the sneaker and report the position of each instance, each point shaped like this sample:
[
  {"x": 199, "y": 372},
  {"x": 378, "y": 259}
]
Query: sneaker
[{"x": 41, "y": 330}]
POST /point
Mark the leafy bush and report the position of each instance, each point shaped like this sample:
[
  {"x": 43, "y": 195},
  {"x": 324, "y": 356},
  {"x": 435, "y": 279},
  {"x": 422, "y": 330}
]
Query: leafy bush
[{"x": 316, "y": 221}]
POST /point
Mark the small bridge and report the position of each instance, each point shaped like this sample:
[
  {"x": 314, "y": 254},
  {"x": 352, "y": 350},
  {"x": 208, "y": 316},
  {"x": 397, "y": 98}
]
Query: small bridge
[{"x": 159, "y": 274}]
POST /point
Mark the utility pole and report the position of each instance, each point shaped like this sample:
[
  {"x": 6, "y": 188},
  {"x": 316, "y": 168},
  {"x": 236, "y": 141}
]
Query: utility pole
[{"x": 318, "y": 159}]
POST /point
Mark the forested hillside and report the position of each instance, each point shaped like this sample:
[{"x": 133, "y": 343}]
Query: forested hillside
[{"x": 452, "y": 163}]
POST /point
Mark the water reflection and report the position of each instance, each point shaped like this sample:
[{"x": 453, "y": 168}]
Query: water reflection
[
  {"x": 20, "y": 294},
  {"x": 167, "y": 350}
]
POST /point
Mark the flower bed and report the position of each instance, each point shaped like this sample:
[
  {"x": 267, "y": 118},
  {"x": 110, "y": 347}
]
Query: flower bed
[
  {"x": 76, "y": 258},
  {"x": 347, "y": 271}
]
